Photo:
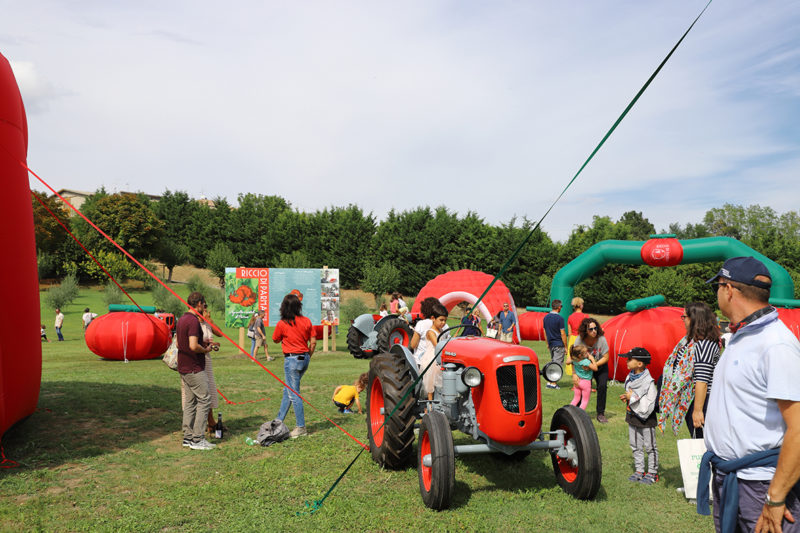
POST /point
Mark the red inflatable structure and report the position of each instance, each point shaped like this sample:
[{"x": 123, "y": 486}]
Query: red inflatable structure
[
  {"x": 658, "y": 330},
  {"x": 128, "y": 336},
  {"x": 790, "y": 317},
  {"x": 467, "y": 286},
  {"x": 531, "y": 326},
  {"x": 20, "y": 344}
]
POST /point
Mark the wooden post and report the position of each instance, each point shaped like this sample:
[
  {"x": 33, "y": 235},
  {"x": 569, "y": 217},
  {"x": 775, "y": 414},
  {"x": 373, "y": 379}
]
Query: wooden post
[
  {"x": 242, "y": 337},
  {"x": 333, "y": 338},
  {"x": 325, "y": 337}
]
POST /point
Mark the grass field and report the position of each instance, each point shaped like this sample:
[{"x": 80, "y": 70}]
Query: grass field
[{"x": 103, "y": 453}]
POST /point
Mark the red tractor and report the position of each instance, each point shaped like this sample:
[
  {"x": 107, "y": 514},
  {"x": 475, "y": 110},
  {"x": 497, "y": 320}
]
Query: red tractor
[{"x": 491, "y": 391}]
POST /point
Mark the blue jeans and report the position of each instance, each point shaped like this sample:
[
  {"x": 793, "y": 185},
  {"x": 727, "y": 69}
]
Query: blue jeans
[
  {"x": 293, "y": 370},
  {"x": 60, "y": 336},
  {"x": 252, "y": 346}
]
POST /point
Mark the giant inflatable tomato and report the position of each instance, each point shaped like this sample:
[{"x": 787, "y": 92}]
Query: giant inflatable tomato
[
  {"x": 790, "y": 317},
  {"x": 531, "y": 326},
  {"x": 20, "y": 344},
  {"x": 131, "y": 336},
  {"x": 657, "y": 330}
]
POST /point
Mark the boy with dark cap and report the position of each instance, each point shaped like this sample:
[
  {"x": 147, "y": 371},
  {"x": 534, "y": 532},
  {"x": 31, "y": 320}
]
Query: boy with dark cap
[{"x": 641, "y": 395}]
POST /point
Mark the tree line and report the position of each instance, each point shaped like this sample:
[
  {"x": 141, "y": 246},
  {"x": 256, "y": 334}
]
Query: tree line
[{"x": 402, "y": 252}]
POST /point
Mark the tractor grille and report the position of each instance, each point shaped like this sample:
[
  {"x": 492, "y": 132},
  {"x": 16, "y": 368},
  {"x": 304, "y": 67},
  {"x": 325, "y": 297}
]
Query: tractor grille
[
  {"x": 530, "y": 380},
  {"x": 507, "y": 385}
]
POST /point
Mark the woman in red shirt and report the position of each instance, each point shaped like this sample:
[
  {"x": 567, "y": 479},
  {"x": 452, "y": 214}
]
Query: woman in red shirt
[{"x": 296, "y": 335}]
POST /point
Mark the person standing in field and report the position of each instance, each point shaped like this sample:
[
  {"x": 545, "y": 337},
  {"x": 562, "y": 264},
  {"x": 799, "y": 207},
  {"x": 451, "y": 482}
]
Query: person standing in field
[
  {"x": 556, "y": 337},
  {"x": 58, "y": 323},
  {"x": 752, "y": 431},
  {"x": 192, "y": 350},
  {"x": 260, "y": 338},
  {"x": 507, "y": 322},
  {"x": 298, "y": 341},
  {"x": 87, "y": 318}
]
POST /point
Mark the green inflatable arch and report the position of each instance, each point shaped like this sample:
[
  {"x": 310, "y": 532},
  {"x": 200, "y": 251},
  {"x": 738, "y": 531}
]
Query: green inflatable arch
[{"x": 681, "y": 252}]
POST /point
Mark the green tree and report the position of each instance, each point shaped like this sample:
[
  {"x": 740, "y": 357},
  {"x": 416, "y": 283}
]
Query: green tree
[
  {"x": 295, "y": 259},
  {"x": 640, "y": 227},
  {"x": 219, "y": 258},
  {"x": 172, "y": 254},
  {"x": 126, "y": 218},
  {"x": 340, "y": 237},
  {"x": 378, "y": 280}
]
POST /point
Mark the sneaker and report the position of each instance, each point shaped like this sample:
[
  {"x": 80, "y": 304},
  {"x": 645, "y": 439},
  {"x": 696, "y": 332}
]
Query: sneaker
[
  {"x": 187, "y": 443},
  {"x": 269, "y": 358},
  {"x": 680, "y": 489},
  {"x": 299, "y": 431},
  {"x": 347, "y": 412},
  {"x": 202, "y": 444},
  {"x": 552, "y": 386},
  {"x": 602, "y": 419},
  {"x": 636, "y": 477},
  {"x": 649, "y": 479}
]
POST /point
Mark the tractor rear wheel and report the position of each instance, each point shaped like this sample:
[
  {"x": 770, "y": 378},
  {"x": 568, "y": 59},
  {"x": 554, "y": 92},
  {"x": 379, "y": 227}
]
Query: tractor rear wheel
[
  {"x": 391, "y": 440},
  {"x": 354, "y": 341},
  {"x": 581, "y": 471},
  {"x": 436, "y": 464},
  {"x": 394, "y": 331}
]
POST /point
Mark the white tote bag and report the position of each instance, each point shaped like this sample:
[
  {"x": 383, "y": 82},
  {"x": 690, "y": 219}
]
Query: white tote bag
[{"x": 690, "y": 452}]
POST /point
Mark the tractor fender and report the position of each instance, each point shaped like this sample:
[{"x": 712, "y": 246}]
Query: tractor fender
[
  {"x": 386, "y": 318},
  {"x": 399, "y": 350},
  {"x": 365, "y": 324}
]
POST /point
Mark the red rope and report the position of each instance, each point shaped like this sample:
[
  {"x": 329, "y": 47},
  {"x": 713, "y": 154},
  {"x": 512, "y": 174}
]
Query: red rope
[
  {"x": 239, "y": 403},
  {"x": 129, "y": 256},
  {"x": 6, "y": 463}
]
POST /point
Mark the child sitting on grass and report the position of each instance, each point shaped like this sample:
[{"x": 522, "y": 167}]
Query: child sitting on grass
[
  {"x": 345, "y": 395},
  {"x": 641, "y": 395},
  {"x": 584, "y": 364}
]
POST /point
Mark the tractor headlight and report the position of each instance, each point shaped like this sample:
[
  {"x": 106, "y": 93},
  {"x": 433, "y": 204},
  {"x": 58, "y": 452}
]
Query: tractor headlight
[
  {"x": 552, "y": 371},
  {"x": 471, "y": 377}
]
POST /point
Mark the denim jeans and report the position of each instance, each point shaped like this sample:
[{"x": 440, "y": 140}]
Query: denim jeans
[
  {"x": 60, "y": 336},
  {"x": 252, "y": 347},
  {"x": 293, "y": 370}
]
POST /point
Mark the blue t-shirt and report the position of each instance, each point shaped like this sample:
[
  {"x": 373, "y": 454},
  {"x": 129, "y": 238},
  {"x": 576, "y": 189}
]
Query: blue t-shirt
[
  {"x": 506, "y": 321},
  {"x": 553, "y": 325}
]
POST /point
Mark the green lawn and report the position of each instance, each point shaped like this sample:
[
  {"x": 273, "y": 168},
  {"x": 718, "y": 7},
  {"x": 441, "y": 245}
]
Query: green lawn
[{"x": 103, "y": 453}]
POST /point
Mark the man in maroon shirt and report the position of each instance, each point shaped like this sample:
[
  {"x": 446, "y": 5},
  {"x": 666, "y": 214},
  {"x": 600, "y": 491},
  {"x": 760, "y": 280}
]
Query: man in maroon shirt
[{"x": 191, "y": 366}]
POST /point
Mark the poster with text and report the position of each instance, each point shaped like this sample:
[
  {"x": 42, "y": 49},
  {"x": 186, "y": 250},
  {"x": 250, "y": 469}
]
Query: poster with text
[
  {"x": 282, "y": 281},
  {"x": 246, "y": 291}
]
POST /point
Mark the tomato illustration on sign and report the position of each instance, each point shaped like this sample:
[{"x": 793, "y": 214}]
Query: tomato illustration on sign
[{"x": 243, "y": 295}]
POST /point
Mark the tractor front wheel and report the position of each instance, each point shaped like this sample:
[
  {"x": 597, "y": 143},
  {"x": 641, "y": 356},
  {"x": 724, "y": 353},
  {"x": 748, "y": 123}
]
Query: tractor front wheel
[
  {"x": 393, "y": 331},
  {"x": 578, "y": 465},
  {"x": 436, "y": 464},
  {"x": 391, "y": 439}
]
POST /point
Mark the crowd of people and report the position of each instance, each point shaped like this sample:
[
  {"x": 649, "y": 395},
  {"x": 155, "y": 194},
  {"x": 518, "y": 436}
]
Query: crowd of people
[{"x": 750, "y": 423}]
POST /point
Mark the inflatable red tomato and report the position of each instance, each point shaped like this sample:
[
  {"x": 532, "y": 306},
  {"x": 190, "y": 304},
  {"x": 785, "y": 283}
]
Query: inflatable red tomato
[
  {"x": 531, "y": 326},
  {"x": 790, "y": 317},
  {"x": 20, "y": 344},
  {"x": 467, "y": 286},
  {"x": 132, "y": 336},
  {"x": 657, "y": 330}
]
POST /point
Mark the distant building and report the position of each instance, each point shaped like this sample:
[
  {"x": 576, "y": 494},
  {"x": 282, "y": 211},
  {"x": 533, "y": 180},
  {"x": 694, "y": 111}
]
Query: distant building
[{"x": 77, "y": 198}]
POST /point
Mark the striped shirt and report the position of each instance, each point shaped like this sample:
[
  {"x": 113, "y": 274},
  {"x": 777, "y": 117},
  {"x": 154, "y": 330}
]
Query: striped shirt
[{"x": 706, "y": 356}]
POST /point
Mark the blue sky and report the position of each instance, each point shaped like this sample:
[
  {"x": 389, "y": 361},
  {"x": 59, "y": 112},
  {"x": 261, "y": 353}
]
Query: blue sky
[{"x": 483, "y": 106}]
